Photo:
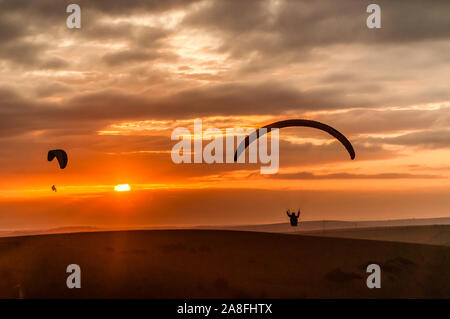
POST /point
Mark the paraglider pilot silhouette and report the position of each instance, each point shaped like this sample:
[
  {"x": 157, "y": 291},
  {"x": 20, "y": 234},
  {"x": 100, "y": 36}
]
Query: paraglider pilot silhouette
[
  {"x": 62, "y": 158},
  {"x": 293, "y": 217}
]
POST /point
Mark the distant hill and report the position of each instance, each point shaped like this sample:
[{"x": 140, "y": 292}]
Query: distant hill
[
  {"x": 428, "y": 234},
  {"x": 304, "y": 226},
  {"x": 59, "y": 230},
  {"x": 308, "y": 226}
]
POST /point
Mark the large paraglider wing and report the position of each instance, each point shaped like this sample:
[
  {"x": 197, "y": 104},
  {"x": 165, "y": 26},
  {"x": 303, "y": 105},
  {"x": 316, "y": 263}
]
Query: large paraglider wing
[
  {"x": 60, "y": 155},
  {"x": 297, "y": 122}
]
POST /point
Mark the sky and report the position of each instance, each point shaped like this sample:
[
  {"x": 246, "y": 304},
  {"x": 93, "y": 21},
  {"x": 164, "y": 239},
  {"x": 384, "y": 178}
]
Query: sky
[{"x": 112, "y": 92}]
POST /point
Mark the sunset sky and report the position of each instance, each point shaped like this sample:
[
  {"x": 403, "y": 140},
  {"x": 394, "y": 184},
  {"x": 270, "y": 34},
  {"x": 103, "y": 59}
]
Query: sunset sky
[{"x": 112, "y": 92}]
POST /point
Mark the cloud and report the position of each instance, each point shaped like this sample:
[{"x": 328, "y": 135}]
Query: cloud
[
  {"x": 30, "y": 30},
  {"x": 430, "y": 139},
  {"x": 109, "y": 105},
  {"x": 271, "y": 27},
  {"x": 51, "y": 88},
  {"x": 388, "y": 120},
  {"x": 113, "y": 7},
  {"x": 127, "y": 56},
  {"x": 179, "y": 60},
  {"x": 22, "y": 52},
  {"x": 311, "y": 176}
]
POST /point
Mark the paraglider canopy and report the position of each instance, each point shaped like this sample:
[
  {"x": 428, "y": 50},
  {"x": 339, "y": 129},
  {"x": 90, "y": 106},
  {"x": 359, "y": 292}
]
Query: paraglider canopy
[
  {"x": 297, "y": 122},
  {"x": 60, "y": 155}
]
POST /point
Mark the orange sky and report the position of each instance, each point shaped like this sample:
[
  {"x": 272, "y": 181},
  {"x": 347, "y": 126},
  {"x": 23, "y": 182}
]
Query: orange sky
[{"x": 112, "y": 92}]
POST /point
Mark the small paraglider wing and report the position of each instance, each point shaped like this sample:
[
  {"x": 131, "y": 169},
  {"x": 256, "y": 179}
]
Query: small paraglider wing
[
  {"x": 60, "y": 155},
  {"x": 297, "y": 122}
]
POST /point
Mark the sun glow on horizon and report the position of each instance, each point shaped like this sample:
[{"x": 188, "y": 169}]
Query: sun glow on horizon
[{"x": 122, "y": 188}]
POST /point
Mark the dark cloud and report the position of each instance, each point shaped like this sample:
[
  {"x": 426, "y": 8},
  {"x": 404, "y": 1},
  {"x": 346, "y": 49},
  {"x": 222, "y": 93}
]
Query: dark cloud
[
  {"x": 95, "y": 111},
  {"x": 22, "y": 52},
  {"x": 388, "y": 121},
  {"x": 257, "y": 98},
  {"x": 51, "y": 88},
  {"x": 21, "y": 22},
  {"x": 13, "y": 113},
  {"x": 311, "y": 176},
  {"x": 54, "y": 63},
  {"x": 250, "y": 26},
  {"x": 127, "y": 56},
  {"x": 292, "y": 154},
  {"x": 111, "y": 7},
  {"x": 286, "y": 31},
  {"x": 433, "y": 139},
  {"x": 108, "y": 105},
  {"x": 10, "y": 29}
]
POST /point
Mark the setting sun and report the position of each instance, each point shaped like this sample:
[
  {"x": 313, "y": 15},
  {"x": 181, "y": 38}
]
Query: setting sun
[{"x": 122, "y": 188}]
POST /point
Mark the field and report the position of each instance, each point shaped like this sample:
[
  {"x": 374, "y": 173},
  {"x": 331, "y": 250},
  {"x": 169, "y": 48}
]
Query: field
[{"x": 218, "y": 263}]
